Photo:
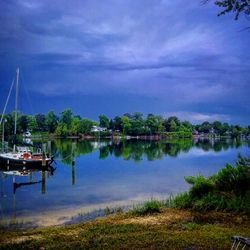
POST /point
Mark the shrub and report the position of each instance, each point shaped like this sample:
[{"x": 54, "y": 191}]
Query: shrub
[
  {"x": 181, "y": 201},
  {"x": 228, "y": 190},
  {"x": 234, "y": 180},
  {"x": 201, "y": 186},
  {"x": 148, "y": 207}
]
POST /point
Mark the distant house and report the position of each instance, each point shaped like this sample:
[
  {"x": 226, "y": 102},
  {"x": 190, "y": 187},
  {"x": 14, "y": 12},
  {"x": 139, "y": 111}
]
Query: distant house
[
  {"x": 98, "y": 129},
  {"x": 195, "y": 132}
]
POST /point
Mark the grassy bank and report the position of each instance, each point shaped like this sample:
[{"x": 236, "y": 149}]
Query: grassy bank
[
  {"x": 206, "y": 217},
  {"x": 167, "y": 229}
]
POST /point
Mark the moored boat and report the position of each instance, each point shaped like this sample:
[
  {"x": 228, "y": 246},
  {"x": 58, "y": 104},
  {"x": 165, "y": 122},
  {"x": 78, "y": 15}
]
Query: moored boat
[
  {"x": 24, "y": 157},
  {"x": 21, "y": 156}
]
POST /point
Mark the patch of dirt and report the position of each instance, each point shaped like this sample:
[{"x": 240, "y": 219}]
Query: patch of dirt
[
  {"x": 166, "y": 217},
  {"x": 23, "y": 238}
]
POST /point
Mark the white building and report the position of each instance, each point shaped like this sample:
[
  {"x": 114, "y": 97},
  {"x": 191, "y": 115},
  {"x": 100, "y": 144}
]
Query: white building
[{"x": 98, "y": 129}]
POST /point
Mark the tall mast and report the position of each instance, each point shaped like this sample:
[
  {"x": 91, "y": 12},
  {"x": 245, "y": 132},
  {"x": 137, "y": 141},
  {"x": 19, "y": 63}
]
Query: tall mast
[
  {"x": 3, "y": 137},
  {"x": 16, "y": 106}
]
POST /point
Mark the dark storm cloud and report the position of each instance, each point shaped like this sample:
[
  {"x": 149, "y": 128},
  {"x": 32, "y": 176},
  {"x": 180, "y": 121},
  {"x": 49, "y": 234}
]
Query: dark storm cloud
[{"x": 160, "y": 56}]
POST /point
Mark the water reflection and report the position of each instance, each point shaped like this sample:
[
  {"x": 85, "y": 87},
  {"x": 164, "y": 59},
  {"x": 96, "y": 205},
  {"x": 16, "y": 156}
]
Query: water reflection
[
  {"x": 99, "y": 173},
  {"x": 17, "y": 171},
  {"x": 137, "y": 150},
  {"x": 22, "y": 176}
]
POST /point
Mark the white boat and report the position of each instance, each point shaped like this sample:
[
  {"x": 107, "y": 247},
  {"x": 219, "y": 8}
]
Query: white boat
[{"x": 21, "y": 156}]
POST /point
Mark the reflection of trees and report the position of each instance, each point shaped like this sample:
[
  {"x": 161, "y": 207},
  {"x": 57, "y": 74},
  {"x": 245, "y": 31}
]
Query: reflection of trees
[
  {"x": 154, "y": 151},
  {"x": 173, "y": 148},
  {"x": 64, "y": 149},
  {"x": 83, "y": 148},
  {"x": 67, "y": 152},
  {"x": 132, "y": 150},
  {"x": 104, "y": 152},
  {"x": 137, "y": 149},
  {"x": 218, "y": 145},
  {"x": 117, "y": 149}
]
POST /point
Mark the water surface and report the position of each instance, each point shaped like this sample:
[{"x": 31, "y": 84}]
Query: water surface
[{"x": 90, "y": 175}]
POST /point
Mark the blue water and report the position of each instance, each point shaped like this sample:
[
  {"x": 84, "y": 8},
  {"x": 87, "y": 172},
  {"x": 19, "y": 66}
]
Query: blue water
[{"x": 108, "y": 172}]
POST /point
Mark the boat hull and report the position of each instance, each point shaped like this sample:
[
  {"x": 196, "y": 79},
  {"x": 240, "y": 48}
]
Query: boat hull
[{"x": 25, "y": 162}]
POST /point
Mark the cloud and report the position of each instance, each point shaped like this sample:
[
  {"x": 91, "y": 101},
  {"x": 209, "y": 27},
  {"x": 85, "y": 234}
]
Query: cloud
[
  {"x": 199, "y": 117},
  {"x": 179, "y": 54}
]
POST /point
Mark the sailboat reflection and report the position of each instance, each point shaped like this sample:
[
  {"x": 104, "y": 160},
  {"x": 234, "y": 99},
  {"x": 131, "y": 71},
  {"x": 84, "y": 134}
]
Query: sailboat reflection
[{"x": 17, "y": 171}]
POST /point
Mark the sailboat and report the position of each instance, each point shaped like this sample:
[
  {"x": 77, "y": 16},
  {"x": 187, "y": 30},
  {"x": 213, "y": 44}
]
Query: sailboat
[{"x": 21, "y": 156}]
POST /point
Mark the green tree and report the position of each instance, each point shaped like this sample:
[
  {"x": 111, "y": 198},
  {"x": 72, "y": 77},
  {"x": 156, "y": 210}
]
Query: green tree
[
  {"x": 118, "y": 123},
  {"x": 154, "y": 124},
  {"x": 51, "y": 121},
  {"x": 66, "y": 117},
  {"x": 171, "y": 124},
  {"x": 160, "y": 124},
  {"x": 236, "y": 131},
  {"x": 205, "y": 127},
  {"x": 126, "y": 125},
  {"x": 225, "y": 128},
  {"x": 218, "y": 128},
  {"x": 187, "y": 125},
  {"x": 40, "y": 120},
  {"x": 104, "y": 121},
  {"x": 137, "y": 124},
  {"x": 75, "y": 126},
  {"x": 32, "y": 124},
  {"x": 85, "y": 126},
  {"x": 61, "y": 130},
  {"x": 22, "y": 123}
]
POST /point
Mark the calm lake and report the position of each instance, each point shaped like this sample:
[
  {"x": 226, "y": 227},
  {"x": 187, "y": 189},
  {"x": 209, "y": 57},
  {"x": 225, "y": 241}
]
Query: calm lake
[{"x": 107, "y": 173}]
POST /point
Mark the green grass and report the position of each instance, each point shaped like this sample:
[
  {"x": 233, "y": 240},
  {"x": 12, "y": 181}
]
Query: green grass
[
  {"x": 169, "y": 229},
  {"x": 116, "y": 210},
  {"x": 148, "y": 207}
]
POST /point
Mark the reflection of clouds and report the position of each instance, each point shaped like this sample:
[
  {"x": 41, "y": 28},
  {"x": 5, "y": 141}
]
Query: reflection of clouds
[
  {"x": 113, "y": 184},
  {"x": 114, "y": 180},
  {"x": 197, "y": 152},
  {"x": 99, "y": 144}
]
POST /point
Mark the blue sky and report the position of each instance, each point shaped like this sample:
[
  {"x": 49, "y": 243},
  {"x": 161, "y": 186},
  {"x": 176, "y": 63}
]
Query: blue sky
[{"x": 152, "y": 56}]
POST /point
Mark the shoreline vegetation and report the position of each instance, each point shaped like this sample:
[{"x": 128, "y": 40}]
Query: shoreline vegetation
[
  {"x": 169, "y": 229},
  {"x": 152, "y": 127},
  {"x": 206, "y": 217}
]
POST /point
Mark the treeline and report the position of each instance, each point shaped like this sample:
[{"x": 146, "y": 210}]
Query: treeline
[{"x": 68, "y": 124}]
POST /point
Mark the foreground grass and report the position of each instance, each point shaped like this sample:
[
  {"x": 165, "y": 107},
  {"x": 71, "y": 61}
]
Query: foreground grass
[{"x": 168, "y": 229}]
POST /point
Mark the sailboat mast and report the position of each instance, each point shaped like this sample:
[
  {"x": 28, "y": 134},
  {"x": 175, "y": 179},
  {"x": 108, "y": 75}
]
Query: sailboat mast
[
  {"x": 3, "y": 137},
  {"x": 16, "y": 105}
]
